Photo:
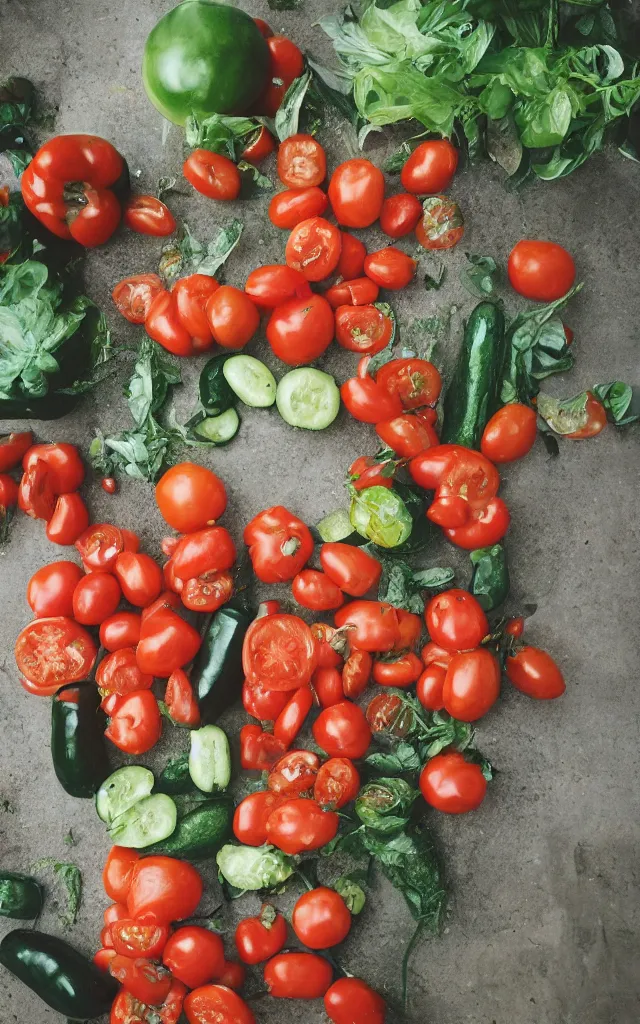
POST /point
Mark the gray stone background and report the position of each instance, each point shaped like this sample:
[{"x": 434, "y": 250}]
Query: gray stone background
[{"x": 544, "y": 915}]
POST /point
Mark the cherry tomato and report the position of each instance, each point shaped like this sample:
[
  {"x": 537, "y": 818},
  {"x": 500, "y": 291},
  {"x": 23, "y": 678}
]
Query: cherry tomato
[
  {"x": 442, "y": 224},
  {"x": 301, "y": 329},
  {"x": 407, "y": 435},
  {"x": 301, "y": 825},
  {"x": 190, "y": 497},
  {"x": 400, "y": 215},
  {"x": 415, "y": 381},
  {"x": 259, "y": 148},
  {"x": 356, "y": 673},
  {"x": 455, "y": 620},
  {"x": 133, "y": 296},
  {"x": 212, "y": 1003},
  {"x": 164, "y": 889},
  {"x": 35, "y": 494},
  {"x": 259, "y": 750},
  {"x": 298, "y": 976},
  {"x": 596, "y": 419},
  {"x": 103, "y": 958},
  {"x": 353, "y": 570},
  {"x": 337, "y": 783},
  {"x": 212, "y": 174},
  {"x": 450, "y": 783},
  {"x": 486, "y": 526},
  {"x": 315, "y": 590},
  {"x": 288, "y": 209},
  {"x": 534, "y": 672},
  {"x": 261, "y": 703},
  {"x": 292, "y": 718},
  {"x": 50, "y": 589},
  {"x": 126, "y": 1009},
  {"x": 194, "y": 955},
  {"x": 280, "y": 652},
  {"x": 51, "y": 652},
  {"x": 359, "y": 292},
  {"x": 515, "y": 626},
  {"x": 95, "y": 598},
  {"x": 374, "y": 625},
  {"x": 191, "y": 294},
  {"x": 409, "y": 628},
  {"x": 294, "y": 773},
  {"x": 135, "y": 726},
  {"x": 368, "y": 472},
  {"x": 510, "y": 433},
  {"x": 145, "y": 981},
  {"x": 367, "y": 401},
  {"x": 233, "y": 975},
  {"x": 390, "y": 268},
  {"x": 138, "y": 938},
  {"x": 350, "y": 1001},
  {"x": 12, "y": 448},
  {"x": 313, "y": 248},
  {"x": 167, "y": 643},
  {"x": 259, "y": 938},
  {"x": 327, "y": 683},
  {"x": 99, "y": 546},
  {"x": 65, "y": 466},
  {"x": 342, "y": 731},
  {"x": 287, "y": 64},
  {"x": 148, "y": 215},
  {"x": 109, "y": 485},
  {"x": 356, "y": 193},
  {"x": 233, "y": 317},
  {"x": 321, "y": 918},
  {"x": 402, "y": 672},
  {"x": 274, "y": 284},
  {"x": 364, "y": 329},
  {"x": 251, "y": 816},
  {"x": 430, "y": 686},
  {"x": 543, "y": 271},
  {"x": 119, "y": 673},
  {"x": 302, "y": 162},
  {"x": 139, "y": 576},
  {"x": 430, "y": 167},
  {"x": 472, "y": 684}
]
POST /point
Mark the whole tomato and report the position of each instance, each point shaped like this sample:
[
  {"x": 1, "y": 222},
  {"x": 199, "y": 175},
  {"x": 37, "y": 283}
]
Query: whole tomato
[
  {"x": 356, "y": 193},
  {"x": 400, "y": 214},
  {"x": 167, "y": 643},
  {"x": 471, "y": 685},
  {"x": 261, "y": 937},
  {"x": 148, "y": 215},
  {"x": 534, "y": 672},
  {"x": 261, "y": 703},
  {"x": 485, "y": 527},
  {"x": 233, "y": 317},
  {"x": 139, "y": 576},
  {"x": 596, "y": 420},
  {"x": 12, "y": 448},
  {"x": 374, "y": 625},
  {"x": 36, "y": 496},
  {"x": 301, "y": 825},
  {"x": 287, "y": 64},
  {"x": 390, "y": 268},
  {"x": 456, "y": 620},
  {"x": 251, "y": 816},
  {"x": 430, "y": 167},
  {"x": 302, "y": 162},
  {"x": 364, "y": 329},
  {"x": 351, "y": 1001},
  {"x": 279, "y": 544},
  {"x": 298, "y": 976},
  {"x": 216, "y": 1003},
  {"x": 208, "y": 550},
  {"x": 408, "y": 435},
  {"x": 367, "y": 401},
  {"x": 259, "y": 147},
  {"x": 543, "y": 271},
  {"x": 353, "y": 570},
  {"x": 351, "y": 263},
  {"x": 294, "y": 773},
  {"x": 294, "y": 205},
  {"x": 259, "y": 750},
  {"x": 510, "y": 433},
  {"x": 327, "y": 683},
  {"x": 190, "y": 497},
  {"x": 321, "y": 918},
  {"x": 233, "y": 975},
  {"x": 293, "y": 716},
  {"x": 342, "y": 731},
  {"x": 316, "y": 591},
  {"x": 95, "y": 598},
  {"x": 119, "y": 673},
  {"x": 117, "y": 872},
  {"x": 451, "y": 784},
  {"x": 402, "y": 672},
  {"x": 180, "y": 700},
  {"x": 212, "y": 174},
  {"x": 410, "y": 627},
  {"x": 301, "y": 329},
  {"x": 313, "y": 248},
  {"x": 50, "y": 590},
  {"x": 70, "y": 519},
  {"x": 163, "y": 324},
  {"x": 66, "y": 469},
  {"x": 416, "y": 382},
  {"x": 135, "y": 726},
  {"x": 8, "y": 493},
  {"x": 194, "y": 955},
  {"x": 164, "y": 889},
  {"x": 337, "y": 783},
  {"x": 274, "y": 284},
  {"x": 430, "y": 686},
  {"x": 192, "y": 294}
]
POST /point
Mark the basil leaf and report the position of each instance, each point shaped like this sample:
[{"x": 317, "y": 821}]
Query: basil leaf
[
  {"x": 190, "y": 256},
  {"x": 479, "y": 277},
  {"x": 220, "y": 133},
  {"x": 288, "y": 115}
]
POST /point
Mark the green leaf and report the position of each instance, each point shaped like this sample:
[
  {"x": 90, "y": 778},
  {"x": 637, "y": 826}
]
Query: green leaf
[
  {"x": 70, "y": 876},
  {"x": 621, "y": 401},
  {"x": 254, "y": 182},
  {"x": 353, "y": 894},
  {"x": 220, "y": 133},
  {"x": 434, "y": 281},
  {"x": 409, "y": 862},
  {"x": 189, "y": 256},
  {"x": 490, "y": 582},
  {"x": 399, "y": 91},
  {"x": 536, "y": 348},
  {"x": 402, "y": 586},
  {"x": 385, "y": 804},
  {"x": 288, "y": 115},
  {"x": 479, "y": 277},
  {"x": 404, "y": 758}
]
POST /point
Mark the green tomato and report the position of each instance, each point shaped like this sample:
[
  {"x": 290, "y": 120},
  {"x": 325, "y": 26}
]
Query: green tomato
[
  {"x": 202, "y": 58},
  {"x": 380, "y": 515},
  {"x": 253, "y": 867}
]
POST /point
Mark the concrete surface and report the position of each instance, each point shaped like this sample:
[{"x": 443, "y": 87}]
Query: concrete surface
[{"x": 544, "y": 917}]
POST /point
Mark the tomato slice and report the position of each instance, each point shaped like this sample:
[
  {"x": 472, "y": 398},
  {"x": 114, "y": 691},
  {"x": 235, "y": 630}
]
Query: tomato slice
[
  {"x": 139, "y": 938},
  {"x": 52, "y": 652},
  {"x": 279, "y": 652},
  {"x": 99, "y": 546}
]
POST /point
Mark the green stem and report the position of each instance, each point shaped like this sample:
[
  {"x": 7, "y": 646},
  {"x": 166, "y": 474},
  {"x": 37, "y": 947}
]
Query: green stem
[{"x": 405, "y": 960}]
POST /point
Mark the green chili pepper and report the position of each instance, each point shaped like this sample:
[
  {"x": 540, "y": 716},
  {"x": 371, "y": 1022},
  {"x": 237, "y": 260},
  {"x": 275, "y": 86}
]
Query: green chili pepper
[
  {"x": 20, "y": 896},
  {"x": 217, "y": 672},
  {"x": 77, "y": 739},
  {"x": 490, "y": 581}
]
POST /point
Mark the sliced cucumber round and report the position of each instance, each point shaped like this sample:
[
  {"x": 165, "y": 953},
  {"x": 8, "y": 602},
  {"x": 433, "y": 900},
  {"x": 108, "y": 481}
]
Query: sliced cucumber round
[
  {"x": 308, "y": 398},
  {"x": 250, "y": 380},
  {"x": 210, "y": 759},
  {"x": 219, "y": 429},
  {"x": 122, "y": 790},
  {"x": 150, "y": 820}
]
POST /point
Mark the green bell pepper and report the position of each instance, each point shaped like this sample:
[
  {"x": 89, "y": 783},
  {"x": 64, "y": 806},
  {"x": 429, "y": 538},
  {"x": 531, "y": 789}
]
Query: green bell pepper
[
  {"x": 490, "y": 581},
  {"x": 77, "y": 739},
  {"x": 217, "y": 671},
  {"x": 20, "y": 896}
]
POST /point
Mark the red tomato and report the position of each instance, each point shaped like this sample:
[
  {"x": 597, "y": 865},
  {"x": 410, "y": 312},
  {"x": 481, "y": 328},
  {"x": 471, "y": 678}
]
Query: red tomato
[
  {"x": 314, "y": 590},
  {"x": 486, "y": 526},
  {"x": 352, "y": 569},
  {"x": 139, "y": 576},
  {"x": 233, "y": 317},
  {"x": 35, "y": 494},
  {"x": 367, "y": 401},
  {"x": 274, "y": 284},
  {"x": 289, "y": 208},
  {"x": 259, "y": 750},
  {"x": 279, "y": 544},
  {"x": 120, "y": 630},
  {"x": 69, "y": 520},
  {"x": 302, "y": 162},
  {"x": 415, "y": 381},
  {"x": 103, "y": 958},
  {"x": 313, "y": 248},
  {"x": 298, "y": 976},
  {"x": 261, "y": 703},
  {"x": 95, "y": 598},
  {"x": 180, "y": 700},
  {"x": 12, "y": 448},
  {"x": 212, "y": 174},
  {"x": 50, "y": 589},
  {"x": 190, "y": 497},
  {"x": 99, "y": 546},
  {"x": 356, "y": 193},
  {"x": 351, "y": 263},
  {"x": 135, "y": 725},
  {"x": 233, "y": 975},
  {"x": 133, "y": 296},
  {"x": 145, "y": 981},
  {"x": 543, "y": 271},
  {"x": 119, "y": 673},
  {"x": 374, "y": 625},
  {"x": 191, "y": 296},
  {"x": 164, "y": 889},
  {"x": 148, "y": 215},
  {"x": 8, "y": 492},
  {"x": 596, "y": 420},
  {"x": 280, "y": 652},
  {"x": 390, "y": 268},
  {"x": 472, "y": 684},
  {"x": 324, "y": 636},
  {"x": 356, "y": 673},
  {"x": 301, "y": 825},
  {"x": 407, "y": 435},
  {"x": 433, "y": 654},
  {"x": 364, "y": 329},
  {"x": 337, "y": 783},
  {"x": 251, "y": 816},
  {"x": 368, "y": 472},
  {"x": 342, "y": 731},
  {"x": 137, "y": 938},
  {"x": 430, "y": 167},
  {"x": 66, "y": 469},
  {"x": 292, "y": 718},
  {"x": 51, "y": 652},
  {"x": 442, "y": 224},
  {"x": 400, "y": 215},
  {"x": 301, "y": 329},
  {"x": 402, "y": 672},
  {"x": 515, "y": 626},
  {"x": 260, "y": 938},
  {"x": 166, "y": 600},
  {"x": 358, "y": 292},
  {"x": 510, "y": 433},
  {"x": 167, "y": 643},
  {"x": 264, "y": 28},
  {"x": 294, "y": 773},
  {"x": 126, "y": 1009},
  {"x": 115, "y": 912},
  {"x": 213, "y": 1003},
  {"x": 208, "y": 550},
  {"x": 287, "y": 64},
  {"x": 450, "y": 783},
  {"x": 321, "y": 918},
  {"x": 350, "y": 1001},
  {"x": 194, "y": 955},
  {"x": 259, "y": 147},
  {"x": 455, "y": 620},
  {"x": 534, "y": 672},
  {"x": 430, "y": 686},
  {"x": 118, "y": 869},
  {"x": 327, "y": 683},
  {"x": 163, "y": 324},
  {"x": 410, "y": 628}
]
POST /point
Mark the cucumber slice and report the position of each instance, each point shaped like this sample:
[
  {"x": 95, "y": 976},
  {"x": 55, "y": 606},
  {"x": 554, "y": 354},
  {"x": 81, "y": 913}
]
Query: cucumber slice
[
  {"x": 250, "y": 380},
  {"x": 122, "y": 790},
  {"x": 150, "y": 820},
  {"x": 308, "y": 398},
  {"x": 335, "y": 527},
  {"x": 210, "y": 759},
  {"x": 219, "y": 429}
]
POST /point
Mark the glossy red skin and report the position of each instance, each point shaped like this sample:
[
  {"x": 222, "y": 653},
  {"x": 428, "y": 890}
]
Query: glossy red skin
[
  {"x": 321, "y": 918},
  {"x": 139, "y": 576},
  {"x": 257, "y": 941},
  {"x": 407, "y": 435},
  {"x": 596, "y": 420},
  {"x": 298, "y": 976},
  {"x": 117, "y": 872},
  {"x": 456, "y": 620},
  {"x": 261, "y": 703},
  {"x": 208, "y": 592},
  {"x": 50, "y": 589},
  {"x": 128, "y": 1010},
  {"x": 360, "y": 291},
  {"x": 350, "y": 1001},
  {"x": 287, "y": 64},
  {"x": 327, "y": 656},
  {"x": 313, "y": 248},
  {"x": 356, "y": 673},
  {"x": 430, "y": 168},
  {"x": 167, "y": 599},
  {"x": 294, "y": 773},
  {"x": 233, "y": 975},
  {"x": 141, "y": 978},
  {"x": 486, "y": 527},
  {"x": 213, "y": 175},
  {"x": 471, "y": 685},
  {"x": 368, "y": 402},
  {"x": 417, "y": 382},
  {"x": 356, "y": 193},
  {"x": 12, "y": 448},
  {"x": 103, "y": 958},
  {"x": 137, "y": 938},
  {"x": 259, "y": 148},
  {"x": 375, "y": 622},
  {"x": 515, "y": 626},
  {"x": 264, "y": 28},
  {"x": 65, "y": 653},
  {"x": 450, "y": 467},
  {"x": 534, "y": 672},
  {"x": 327, "y": 683},
  {"x": 35, "y": 492},
  {"x": 352, "y": 257},
  {"x": 120, "y": 630},
  {"x": 115, "y": 912},
  {"x": 164, "y": 889},
  {"x": 148, "y": 215},
  {"x": 99, "y": 546},
  {"x": 451, "y": 784},
  {"x": 251, "y": 816},
  {"x": 135, "y": 725},
  {"x": 109, "y": 485},
  {"x": 367, "y": 472},
  {"x": 180, "y": 700},
  {"x": 402, "y": 672},
  {"x": 274, "y": 284},
  {"x": 208, "y": 550},
  {"x": 300, "y": 330},
  {"x": 434, "y": 654},
  {"x": 292, "y": 718},
  {"x": 163, "y": 324},
  {"x": 430, "y": 686},
  {"x": 449, "y": 511},
  {"x": 267, "y": 534},
  {"x": 314, "y": 590},
  {"x": 190, "y": 497},
  {"x": 216, "y": 1003},
  {"x": 291, "y": 207},
  {"x": 353, "y": 570},
  {"x": 194, "y": 955},
  {"x": 300, "y": 825},
  {"x": 510, "y": 433},
  {"x": 410, "y": 627},
  {"x": 259, "y": 750},
  {"x": 191, "y": 295},
  {"x": 233, "y": 317},
  {"x": 170, "y": 644},
  {"x": 400, "y": 215},
  {"x": 337, "y": 783},
  {"x": 8, "y": 491},
  {"x": 66, "y": 469},
  {"x": 342, "y": 731},
  {"x": 95, "y": 598},
  {"x": 279, "y": 651},
  {"x": 133, "y": 296},
  {"x": 302, "y": 162},
  {"x": 365, "y": 329},
  {"x": 390, "y": 268},
  {"x": 543, "y": 271}
]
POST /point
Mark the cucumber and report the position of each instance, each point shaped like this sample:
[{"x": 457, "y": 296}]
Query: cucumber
[
  {"x": 174, "y": 777},
  {"x": 308, "y": 398},
  {"x": 149, "y": 820},
  {"x": 219, "y": 429},
  {"x": 250, "y": 380},
  {"x": 210, "y": 759},
  {"x": 200, "y": 834},
  {"x": 473, "y": 394},
  {"x": 122, "y": 790}
]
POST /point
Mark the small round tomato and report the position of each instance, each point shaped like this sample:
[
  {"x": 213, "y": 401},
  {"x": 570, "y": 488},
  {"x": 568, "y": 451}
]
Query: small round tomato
[
  {"x": 232, "y": 316},
  {"x": 139, "y": 576},
  {"x": 342, "y": 731},
  {"x": 300, "y": 330},
  {"x": 280, "y": 652},
  {"x": 367, "y": 401},
  {"x": 327, "y": 683},
  {"x": 66, "y": 469},
  {"x": 233, "y": 975},
  {"x": 356, "y": 673},
  {"x": 352, "y": 257},
  {"x": 164, "y": 889},
  {"x": 356, "y": 193},
  {"x": 351, "y": 1001},
  {"x": 95, "y": 598},
  {"x": 441, "y": 225},
  {"x": 148, "y": 215},
  {"x": 596, "y": 420},
  {"x": 402, "y": 672},
  {"x": 301, "y": 825},
  {"x": 50, "y": 589},
  {"x": 451, "y": 784},
  {"x": 486, "y": 526},
  {"x": 364, "y": 329},
  {"x": 430, "y": 167},
  {"x": 543, "y": 271},
  {"x": 133, "y": 296},
  {"x": 263, "y": 27},
  {"x": 289, "y": 208},
  {"x": 194, "y": 955},
  {"x": 321, "y": 918},
  {"x": 368, "y": 472},
  {"x": 407, "y": 435},
  {"x": 430, "y": 686},
  {"x": 316, "y": 591},
  {"x": 51, "y": 652},
  {"x": 287, "y": 64},
  {"x": 213, "y": 1003},
  {"x": 313, "y": 248},
  {"x": 259, "y": 938},
  {"x": 190, "y": 497},
  {"x": 70, "y": 518},
  {"x": 390, "y": 268},
  {"x": 274, "y": 284},
  {"x": 416, "y": 382},
  {"x": 295, "y": 773},
  {"x": 293, "y": 716},
  {"x": 259, "y": 146},
  {"x": 298, "y": 976},
  {"x": 359, "y": 292},
  {"x": 251, "y": 816},
  {"x": 36, "y": 496},
  {"x": 118, "y": 869},
  {"x": 261, "y": 703},
  {"x": 337, "y": 783},
  {"x": 208, "y": 550},
  {"x": 135, "y": 725},
  {"x": 191, "y": 295},
  {"x": 212, "y": 174},
  {"x": 400, "y": 214},
  {"x": 302, "y": 162},
  {"x": 471, "y": 685},
  {"x": 99, "y": 546},
  {"x": 515, "y": 626},
  {"x": 142, "y": 978},
  {"x": 534, "y": 672},
  {"x": 456, "y": 620},
  {"x": 510, "y": 433},
  {"x": 119, "y": 673},
  {"x": 109, "y": 485},
  {"x": 12, "y": 448},
  {"x": 353, "y": 570},
  {"x": 138, "y": 938},
  {"x": 374, "y": 625},
  {"x": 167, "y": 643}
]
